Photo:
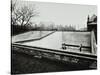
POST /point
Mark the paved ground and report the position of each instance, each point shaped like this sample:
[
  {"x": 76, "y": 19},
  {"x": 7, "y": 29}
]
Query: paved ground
[{"x": 54, "y": 41}]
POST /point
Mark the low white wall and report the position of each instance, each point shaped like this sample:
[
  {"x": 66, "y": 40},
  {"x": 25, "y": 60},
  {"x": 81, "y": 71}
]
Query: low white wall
[{"x": 93, "y": 43}]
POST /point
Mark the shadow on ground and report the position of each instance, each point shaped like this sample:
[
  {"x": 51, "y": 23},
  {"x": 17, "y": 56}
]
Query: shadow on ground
[{"x": 22, "y": 63}]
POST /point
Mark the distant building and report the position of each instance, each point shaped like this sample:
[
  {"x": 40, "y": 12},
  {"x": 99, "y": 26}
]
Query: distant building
[{"x": 92, "y": 24}]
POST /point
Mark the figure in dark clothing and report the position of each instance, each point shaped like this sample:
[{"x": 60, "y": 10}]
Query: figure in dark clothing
[
  {"x": 63, "y": 46},
  {"x": 80, "y": 47}
]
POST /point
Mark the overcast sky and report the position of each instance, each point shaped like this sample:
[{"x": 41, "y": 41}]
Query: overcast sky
[{"x": 59, "y": 13}]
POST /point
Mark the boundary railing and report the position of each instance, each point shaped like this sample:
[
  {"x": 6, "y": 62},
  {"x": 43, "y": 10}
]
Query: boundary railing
[{"x": 59, "y": 52}]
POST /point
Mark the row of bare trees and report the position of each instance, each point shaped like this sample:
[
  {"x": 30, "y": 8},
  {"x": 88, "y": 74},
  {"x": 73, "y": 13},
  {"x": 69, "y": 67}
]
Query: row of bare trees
[
  {"x": 21, "y": 19},
  {"x": 52, "y": 26}
]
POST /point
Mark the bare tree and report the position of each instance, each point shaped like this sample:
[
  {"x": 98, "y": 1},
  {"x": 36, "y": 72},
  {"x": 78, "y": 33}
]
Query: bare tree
[
  {"x": 13, "y": 7},
  {"x": 22, "y": 16}
]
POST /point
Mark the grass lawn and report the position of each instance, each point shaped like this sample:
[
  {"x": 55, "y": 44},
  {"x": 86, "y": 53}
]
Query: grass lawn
[
  {"x": 29, "y": 35},
  {"x": 23, "y": 63}
]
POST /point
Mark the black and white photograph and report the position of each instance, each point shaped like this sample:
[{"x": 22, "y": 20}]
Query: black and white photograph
[{"x": 52, "y": 37}]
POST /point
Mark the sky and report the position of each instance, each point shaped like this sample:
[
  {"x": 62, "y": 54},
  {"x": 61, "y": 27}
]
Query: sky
[{"x": 59, "y": 13}]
